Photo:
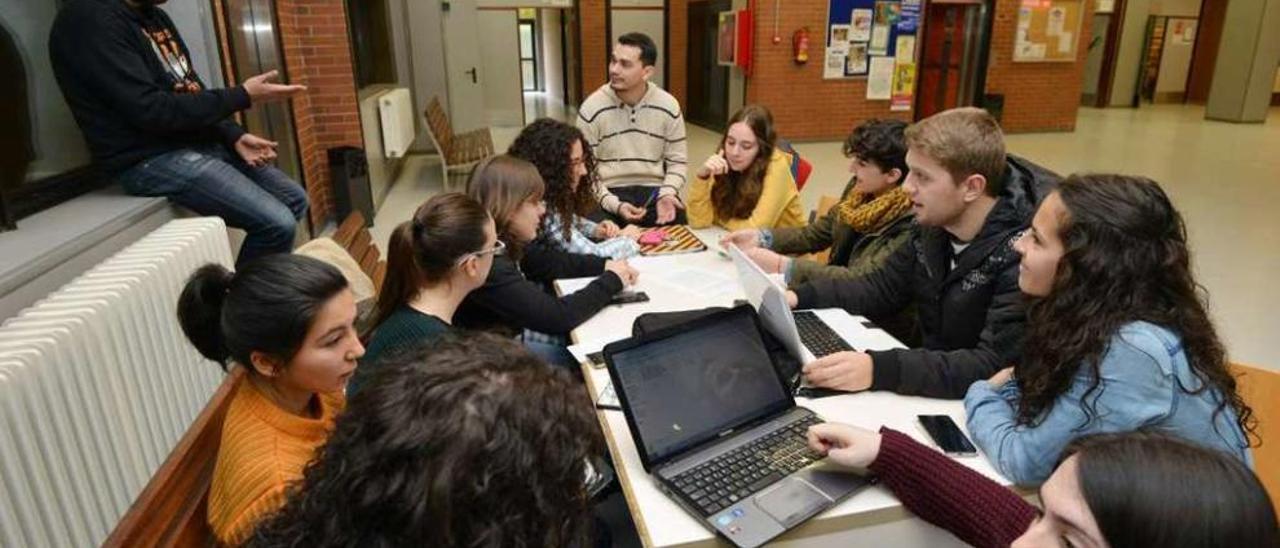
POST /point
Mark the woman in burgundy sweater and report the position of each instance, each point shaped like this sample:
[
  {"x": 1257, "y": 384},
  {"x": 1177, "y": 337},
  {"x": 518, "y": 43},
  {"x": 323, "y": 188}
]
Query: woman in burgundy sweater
[{"x": 1117, "y": 490}]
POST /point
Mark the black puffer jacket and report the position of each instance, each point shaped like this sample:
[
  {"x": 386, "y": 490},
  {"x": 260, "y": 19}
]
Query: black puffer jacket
[{"x": 971, "y": 318}]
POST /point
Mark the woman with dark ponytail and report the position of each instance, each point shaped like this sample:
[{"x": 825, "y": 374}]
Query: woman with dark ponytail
[
  {"x": 1118, "y": 335},
  {"x": 289, "y": 321},
  {"x": 434, "y": 260}
]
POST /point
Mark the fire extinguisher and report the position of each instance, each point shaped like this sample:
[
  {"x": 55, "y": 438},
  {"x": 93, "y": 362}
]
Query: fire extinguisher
[{"x": 800, "y": 45}]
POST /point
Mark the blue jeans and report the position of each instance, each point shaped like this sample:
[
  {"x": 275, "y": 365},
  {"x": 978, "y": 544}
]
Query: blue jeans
[{"x": 211, "y": 180}]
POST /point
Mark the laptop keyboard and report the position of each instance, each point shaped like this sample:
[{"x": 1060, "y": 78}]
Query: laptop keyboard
[
  {"x": 733, "y": 476},
  {"x": 817, "y": 336}
]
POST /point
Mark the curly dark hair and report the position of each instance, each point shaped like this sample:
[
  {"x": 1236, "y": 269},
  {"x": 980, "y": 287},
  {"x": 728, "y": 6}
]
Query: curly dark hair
[
  {"x": 1126, "y": 259},
  {"x": 736, "y": 194},
  {"x": 465, "y": 441},
  {"x": 545, "y": 143},
  {"x": 880, "y": 142}
]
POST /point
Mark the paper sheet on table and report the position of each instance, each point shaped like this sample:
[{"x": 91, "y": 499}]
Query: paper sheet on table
[
  {"x": 699, "y": 281},
  {"x": 583, "y": 350}
]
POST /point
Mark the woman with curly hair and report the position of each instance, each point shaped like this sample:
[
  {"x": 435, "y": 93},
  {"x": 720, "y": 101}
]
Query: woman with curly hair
[
  {"x": 1118, "y": 338},
  {"x": 568, "y": 168},
  {"x": 748, "y": 182},
  {"x": 466, "y": 441}
]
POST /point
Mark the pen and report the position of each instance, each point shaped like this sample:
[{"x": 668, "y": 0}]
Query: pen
[{"x": 650, "y": 200}]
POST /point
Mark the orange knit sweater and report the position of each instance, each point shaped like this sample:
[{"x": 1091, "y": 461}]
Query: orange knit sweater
[{"x": 264, "y": 449}]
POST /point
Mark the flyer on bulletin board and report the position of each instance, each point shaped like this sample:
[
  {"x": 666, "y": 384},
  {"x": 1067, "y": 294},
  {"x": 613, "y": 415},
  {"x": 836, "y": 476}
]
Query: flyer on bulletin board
[
  {"x": 880, "y": 78},
  {"x": 860, "y": 25},
  {"x": 904, "y": 85}
]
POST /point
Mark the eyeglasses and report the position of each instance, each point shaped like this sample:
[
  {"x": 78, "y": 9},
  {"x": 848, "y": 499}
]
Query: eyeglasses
[{"x": 497, "y": 249}]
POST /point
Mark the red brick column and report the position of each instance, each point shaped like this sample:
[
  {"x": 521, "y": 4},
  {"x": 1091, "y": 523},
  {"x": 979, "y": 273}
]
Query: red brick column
[
  {"x": 804, "y": 105},
  {"x": 317, "y": 53},
  {"x": 1037, "y": 96}
]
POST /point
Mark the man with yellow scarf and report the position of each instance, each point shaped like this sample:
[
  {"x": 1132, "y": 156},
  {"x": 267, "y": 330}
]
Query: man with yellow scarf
[{"x": 872, "y": 220}]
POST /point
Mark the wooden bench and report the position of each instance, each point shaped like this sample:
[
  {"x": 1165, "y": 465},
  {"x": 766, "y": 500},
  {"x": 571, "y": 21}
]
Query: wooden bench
[
  {"x": 459, "y": 153},
  {"x": 172, "y": 509},
  {"x": 354, "y": 237}
]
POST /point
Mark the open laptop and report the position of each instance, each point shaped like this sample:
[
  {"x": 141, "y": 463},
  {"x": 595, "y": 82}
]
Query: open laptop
[
  {"x": 803, "y": 332},
  {"x": 716, "y": 426}
]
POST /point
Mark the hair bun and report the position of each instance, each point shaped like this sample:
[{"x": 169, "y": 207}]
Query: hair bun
[{"x": 200, "y": 310}]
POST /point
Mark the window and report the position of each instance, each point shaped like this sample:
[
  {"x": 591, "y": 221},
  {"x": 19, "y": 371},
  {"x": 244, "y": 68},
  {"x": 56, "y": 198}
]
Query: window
[{"x": 528, "y": 36}]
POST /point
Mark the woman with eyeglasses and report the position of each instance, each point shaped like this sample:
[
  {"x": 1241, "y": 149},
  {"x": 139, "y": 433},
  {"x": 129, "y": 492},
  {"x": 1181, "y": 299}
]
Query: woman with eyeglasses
[
  {"x": 509, "y": 302},
  {"x": 435, "y": 259}
]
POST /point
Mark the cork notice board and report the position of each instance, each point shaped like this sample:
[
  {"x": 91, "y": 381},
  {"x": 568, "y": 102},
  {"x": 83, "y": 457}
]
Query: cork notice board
[{"x": 1048, "y": 30}]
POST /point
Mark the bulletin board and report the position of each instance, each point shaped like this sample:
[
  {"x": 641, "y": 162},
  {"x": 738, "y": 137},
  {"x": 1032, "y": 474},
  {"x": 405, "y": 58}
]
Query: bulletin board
[
  {"x": 860, "y": 30},
  {"x": 1048, "y": 31}
]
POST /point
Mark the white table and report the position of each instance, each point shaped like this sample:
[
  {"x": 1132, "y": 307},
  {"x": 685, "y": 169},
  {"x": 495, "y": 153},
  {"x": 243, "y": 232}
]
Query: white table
[{"x": 872, "y": 517}]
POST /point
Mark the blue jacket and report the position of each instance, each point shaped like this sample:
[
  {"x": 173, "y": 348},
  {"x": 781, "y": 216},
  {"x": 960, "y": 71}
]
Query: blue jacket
[{"x": 1146, "y": 384}]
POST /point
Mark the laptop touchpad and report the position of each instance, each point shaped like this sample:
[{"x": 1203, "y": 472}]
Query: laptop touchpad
[{"x": 791, "y": 501}]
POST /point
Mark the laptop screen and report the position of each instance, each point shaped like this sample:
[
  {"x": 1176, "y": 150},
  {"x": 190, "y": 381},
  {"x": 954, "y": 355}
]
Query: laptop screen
[{"x": 688, "y": 388}]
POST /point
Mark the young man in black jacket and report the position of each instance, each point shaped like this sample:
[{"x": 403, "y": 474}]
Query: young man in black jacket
[
  {"x": 959, "y": 269},
  {"x": 151, "y": 122}
]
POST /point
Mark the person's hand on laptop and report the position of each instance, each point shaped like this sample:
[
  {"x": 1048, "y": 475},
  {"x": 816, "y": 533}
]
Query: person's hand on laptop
[
  {"x": 624, "y": 270},
  {"x": 793, "y": 300},
  {"x": 849, "y": 371},
  {"x": 769, "y": 261},
  {"x": 745, "y": 239},
  {"x": 845, "y": 445}
]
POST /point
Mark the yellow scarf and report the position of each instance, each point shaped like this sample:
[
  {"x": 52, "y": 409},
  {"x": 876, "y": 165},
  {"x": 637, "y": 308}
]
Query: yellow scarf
[{"x": 867, "y": 214}]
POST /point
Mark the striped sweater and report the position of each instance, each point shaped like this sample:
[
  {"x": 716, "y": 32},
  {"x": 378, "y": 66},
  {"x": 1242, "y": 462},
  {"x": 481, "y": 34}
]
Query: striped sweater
[
  {"x": 264, "y": 449},
  {"x": 635, "y": 145}
]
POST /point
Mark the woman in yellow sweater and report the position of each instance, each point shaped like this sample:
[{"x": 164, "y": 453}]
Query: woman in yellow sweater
[
  {"x": 748, "y": 182},
  {"x": 289, "y": 321}
]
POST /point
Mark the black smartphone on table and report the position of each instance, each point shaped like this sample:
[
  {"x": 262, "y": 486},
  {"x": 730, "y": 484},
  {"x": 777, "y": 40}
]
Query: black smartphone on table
[
  {"x": 947, "y": 436},
  {"x": 629, "y": 297}
]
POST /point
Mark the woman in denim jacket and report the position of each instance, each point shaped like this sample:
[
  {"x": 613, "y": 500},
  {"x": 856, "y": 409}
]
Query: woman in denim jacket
[{"x": 1118, "y": 338}]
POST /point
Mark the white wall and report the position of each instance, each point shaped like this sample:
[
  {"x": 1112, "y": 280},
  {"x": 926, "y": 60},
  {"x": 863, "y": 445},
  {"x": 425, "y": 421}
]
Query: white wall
[
  {"x": 649, "y": 20},
  {"x": 500, "y": 67},
  {"x": 552, "y": 48},
  {"x": 1124, "y": 84},
  {"x": 418, "y": 46},
  {"x": 1175, "y": 62}
]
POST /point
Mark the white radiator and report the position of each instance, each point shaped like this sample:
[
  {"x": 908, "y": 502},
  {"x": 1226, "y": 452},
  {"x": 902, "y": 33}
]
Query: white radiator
[
  {"x": 395, "y": 110},
  {"x": 97, "y": 384}
]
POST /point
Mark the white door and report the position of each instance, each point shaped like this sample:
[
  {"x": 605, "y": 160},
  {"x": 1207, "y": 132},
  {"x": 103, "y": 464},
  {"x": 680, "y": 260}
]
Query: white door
[
  {"x": 500, "y": 68},
  {"x": 462, "y": 65}
]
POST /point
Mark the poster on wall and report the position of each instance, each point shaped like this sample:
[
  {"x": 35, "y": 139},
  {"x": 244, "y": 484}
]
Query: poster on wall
[
  {"x": 880, "y": 78},
  {"x": 856, "y": 61},
  {"x": 909, "y": 17},
  {"x": 905, "y": 50},
  {"x": 726, "y": 39},
  {"x": 834, "y": 67},
  {"x": 839, "y": 36},
  {"x": 860, "y": 25},
  {"x": 904, "y": 85},
  {"x": 885, "y": 17}
]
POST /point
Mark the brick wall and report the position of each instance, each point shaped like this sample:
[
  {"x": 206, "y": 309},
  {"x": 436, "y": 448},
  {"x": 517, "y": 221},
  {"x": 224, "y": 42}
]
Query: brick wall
[
  {"x": 804, "y": 106},
  {"x": 1037, "y": 96},
  {"x": 317, "y": 54}
]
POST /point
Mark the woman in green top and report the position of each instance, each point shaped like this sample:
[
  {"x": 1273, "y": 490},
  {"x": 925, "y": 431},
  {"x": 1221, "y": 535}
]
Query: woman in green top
[{"x": 434, "y": 260}]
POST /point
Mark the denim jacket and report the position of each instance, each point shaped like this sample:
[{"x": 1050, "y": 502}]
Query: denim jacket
[
  {"x": 1146, "y": 384},
  {"x": 580, "y": 242}
]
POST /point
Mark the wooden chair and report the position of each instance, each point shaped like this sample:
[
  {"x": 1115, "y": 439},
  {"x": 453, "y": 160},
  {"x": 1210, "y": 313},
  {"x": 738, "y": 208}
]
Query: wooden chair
[
  {"x": 172, "y": 509},
  {"x": 354, "y": 237},
  {"x": 1260, "y": 389},
  {"x": 459, "y": 153},
  {"x": 825, "y": 203}
]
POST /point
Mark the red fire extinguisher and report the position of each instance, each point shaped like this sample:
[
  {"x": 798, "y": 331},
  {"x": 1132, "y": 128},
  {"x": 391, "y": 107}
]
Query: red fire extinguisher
[{"x": 800, "y": 45}]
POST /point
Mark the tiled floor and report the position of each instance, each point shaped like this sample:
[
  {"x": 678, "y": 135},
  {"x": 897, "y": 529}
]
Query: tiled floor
[{"x": 1224, "y": 177}]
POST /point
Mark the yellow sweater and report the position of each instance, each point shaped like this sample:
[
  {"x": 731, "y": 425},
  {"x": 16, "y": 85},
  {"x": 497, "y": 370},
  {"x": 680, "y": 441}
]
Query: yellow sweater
[
  {"x": 264, "y": 449},
  {"x": 779, "y": 204}
]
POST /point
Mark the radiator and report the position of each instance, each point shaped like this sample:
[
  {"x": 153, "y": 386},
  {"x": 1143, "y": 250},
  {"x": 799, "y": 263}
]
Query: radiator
[
  {"x": 97, "y": 384},
  {"x": 395, "y": 111}
]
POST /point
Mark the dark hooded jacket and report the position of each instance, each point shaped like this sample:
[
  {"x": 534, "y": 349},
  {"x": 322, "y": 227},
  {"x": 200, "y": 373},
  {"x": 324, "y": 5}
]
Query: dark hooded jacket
[{"x": 971, "y": 318}]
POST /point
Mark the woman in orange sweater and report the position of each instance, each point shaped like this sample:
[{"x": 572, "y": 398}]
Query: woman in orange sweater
[
  {"x": 289, "y": 321},
  {"x": 747, "y": 183}
]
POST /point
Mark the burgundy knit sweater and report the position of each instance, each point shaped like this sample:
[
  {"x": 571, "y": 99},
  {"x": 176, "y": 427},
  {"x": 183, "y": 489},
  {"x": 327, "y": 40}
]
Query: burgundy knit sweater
[{"x": 950, "y": 495}]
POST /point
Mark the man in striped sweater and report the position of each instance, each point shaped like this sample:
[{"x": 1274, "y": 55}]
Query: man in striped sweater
[{"x": 637, "y": 135}]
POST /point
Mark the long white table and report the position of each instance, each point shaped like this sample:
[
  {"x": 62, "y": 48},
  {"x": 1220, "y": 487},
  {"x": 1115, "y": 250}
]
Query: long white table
[{"x": 873, "y": 517}]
